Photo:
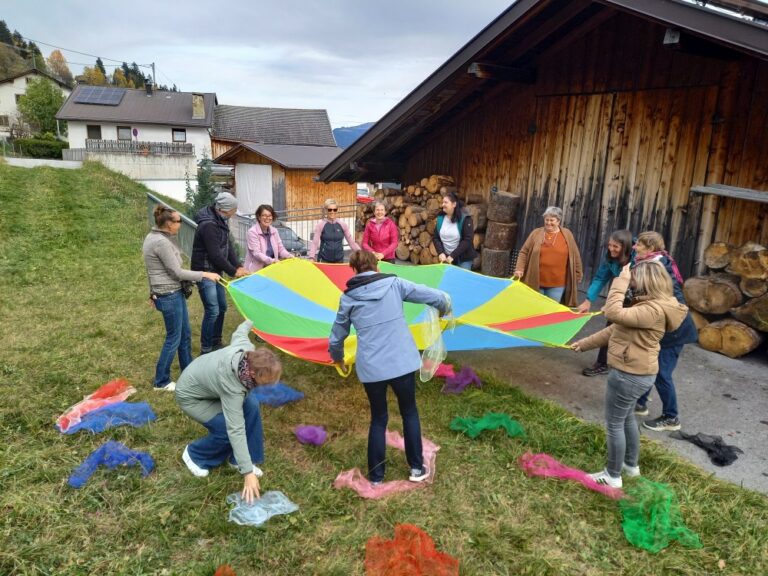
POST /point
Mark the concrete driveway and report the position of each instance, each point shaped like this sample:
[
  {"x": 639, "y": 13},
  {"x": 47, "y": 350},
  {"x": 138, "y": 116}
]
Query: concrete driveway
[{"x": 716, "y": 395}]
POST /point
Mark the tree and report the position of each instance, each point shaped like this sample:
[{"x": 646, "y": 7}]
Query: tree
[
  {"x": 38, "y": 60},
  {"x": 119, "y": 79},
  {"x": 39, "y": 105},
  {"x": 206, "y": 191},
  {"x": 10, "y": 62},
  {"x": 57, "y": 65},
  {"x": 5, "y": 34},
  {"x": 100, "y": 67},
  {"x": 93, "y": 77}
]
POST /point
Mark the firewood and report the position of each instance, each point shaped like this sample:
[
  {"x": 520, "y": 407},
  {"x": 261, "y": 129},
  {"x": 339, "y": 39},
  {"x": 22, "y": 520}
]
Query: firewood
[
  {"x": 407, "y": 228},
  {"x": 410, "y": 189},
  {"x": 402, "y": 220},
  {"x": 415, "y": 231},
  {"x": 433, "y": 207},
  {"x": 729, "y": 337},
  {"x": 425, "y": 257},
  {"x": 754, "y": 313},
  {"x": 444, "y": 180},
  {"x": 415, "y": 219},
  {"x": 713, "y": 294},
  {"x": 423, "y": 182},
  {"x": 495, "y": 262},
  {"x": 699, "y": 319},
  {"x": 414, "y": 257},
  {"x": 433, "y": 185},
  {"x": 397, "y": 201},
  {"x": 402, "y": 252},
  {"x": 448, "y": 190},
  {"x": 425, "y": 238},
  {"x": 478, "y": 214},
  {"x": 379, "y": 195},
  {"x": 477, "y": 240},
  {"x": 753, "y": 287},
  {"x": 433, "y": 249},
  {"x": 392, "y": 191},
  {"x": 503, "y": 206},
  {"x": 749, "y": 261},
  {"x": 431, "y": 225},
  {"x": 500, "y": 236},
  {"x": 474, "y": 197}
]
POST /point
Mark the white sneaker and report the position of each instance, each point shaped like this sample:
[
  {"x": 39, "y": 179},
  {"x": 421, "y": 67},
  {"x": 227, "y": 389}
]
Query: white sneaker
[
  {"x": 419, "y": 475},
  {"x": 194, "y": 468},
  {"x": 630, "y": 471},
  {"x": 170, "y": 387},
  {"x": 606, "y": 479},
  {"x": 258, "y": 472}
]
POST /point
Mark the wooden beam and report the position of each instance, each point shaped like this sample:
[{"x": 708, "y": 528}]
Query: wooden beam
[{"x": 486, "y": 71}]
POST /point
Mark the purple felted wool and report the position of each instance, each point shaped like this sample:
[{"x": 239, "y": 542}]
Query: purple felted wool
[
  {"x": 456, "y": 384},
  {"x": 314, "y": 435}
]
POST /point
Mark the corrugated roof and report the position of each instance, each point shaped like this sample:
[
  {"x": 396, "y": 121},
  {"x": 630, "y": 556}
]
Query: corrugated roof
[
  {"x": 166, "y": 108},
  {"x": 273, "y": 126},
  {"x": 288, "y": 155}
]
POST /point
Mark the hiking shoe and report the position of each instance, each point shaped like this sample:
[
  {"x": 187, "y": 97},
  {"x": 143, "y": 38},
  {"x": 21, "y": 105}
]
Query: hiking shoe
[
  {"x": 595, "y": 370},
  {"x": 194, "y": 468},
  {"x": 663, "y": 423},
  {"x": 641, "y": 410},
  {"x": 170, "y": 387},
  {"x": 630, "y": 471},
  {"x": 376, "y": 483},
  {"x": 606, "y": 479},
  {"x": 419, "y": 475},
  {"x": 258, "y": 472}
]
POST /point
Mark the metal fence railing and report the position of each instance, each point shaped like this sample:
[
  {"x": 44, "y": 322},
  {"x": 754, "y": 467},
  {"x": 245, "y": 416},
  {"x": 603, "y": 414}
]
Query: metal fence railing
[
  {"x": 140, "y": 148},
  {"x": 188, "y": 226}
]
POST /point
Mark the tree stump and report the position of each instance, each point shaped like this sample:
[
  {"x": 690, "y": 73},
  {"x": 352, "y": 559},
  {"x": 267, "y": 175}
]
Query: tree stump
[
  {"x": 713, "y": 294},
  {"x": 749, "y": 261},
  {"x": 754, "y": 313},
  {"x": 717, "y": 255},
  {"x": 500, "y": 236},
  {"x": 495, "y": 262},
  {"x": 503, "y": 206},
  {"x": 729, "y": 337}
]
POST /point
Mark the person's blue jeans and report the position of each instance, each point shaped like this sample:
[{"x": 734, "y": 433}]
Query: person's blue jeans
[
  {"x": 668, "y": 358},
  {"x": 555, "y": 293},
  {"x": 178, "y": 336},
  {"x": 404, "y": 388},
  {"x": 214, "y": 449},
  {"x": 623, "y": 437},
  {"x": 214, "y": 299},
  {"x": 466, "y": 264}
]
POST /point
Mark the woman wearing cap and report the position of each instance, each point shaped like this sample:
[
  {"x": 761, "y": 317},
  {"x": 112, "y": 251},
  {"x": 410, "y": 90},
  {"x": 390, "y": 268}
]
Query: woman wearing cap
[
  {"x": 162, "y": 258},
  {"x": 328, "y": 239},
  {"x": 386, "y": 354},
  {"x": 381, "y": 234},
  {"x": 264, "y": 244},
  {"x": 550, "y": 261}
]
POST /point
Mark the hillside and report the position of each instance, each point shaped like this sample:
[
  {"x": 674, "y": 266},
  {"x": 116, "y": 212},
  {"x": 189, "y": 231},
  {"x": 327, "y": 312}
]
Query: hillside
[
  {"x": 345, "y": 137},
  {"x": 75, "y": 315}
]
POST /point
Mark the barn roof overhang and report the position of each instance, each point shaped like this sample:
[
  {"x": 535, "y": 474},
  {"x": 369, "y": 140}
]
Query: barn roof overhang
[{"x": 506, "y": 51}]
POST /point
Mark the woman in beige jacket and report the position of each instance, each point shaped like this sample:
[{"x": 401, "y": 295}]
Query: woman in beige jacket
[{"x": 633, "y": 351}]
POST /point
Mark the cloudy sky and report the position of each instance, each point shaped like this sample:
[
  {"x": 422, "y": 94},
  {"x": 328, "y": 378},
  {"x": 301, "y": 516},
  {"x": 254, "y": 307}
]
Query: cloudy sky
[{"x": 355, "y": 58}]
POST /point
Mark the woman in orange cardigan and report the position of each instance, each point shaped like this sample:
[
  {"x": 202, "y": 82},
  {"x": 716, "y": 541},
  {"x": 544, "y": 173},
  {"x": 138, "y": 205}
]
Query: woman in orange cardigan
[{"x": 550, "y": 261}]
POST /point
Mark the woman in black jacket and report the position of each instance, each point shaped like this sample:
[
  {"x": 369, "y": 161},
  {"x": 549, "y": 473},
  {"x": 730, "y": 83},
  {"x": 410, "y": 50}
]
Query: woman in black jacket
[{"x": 454, "y": 233}]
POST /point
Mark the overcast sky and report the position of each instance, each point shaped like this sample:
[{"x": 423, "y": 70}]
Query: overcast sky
[{"x": 355, "y": 58}]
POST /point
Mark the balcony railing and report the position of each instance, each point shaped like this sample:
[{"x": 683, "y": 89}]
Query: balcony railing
[{"x": 140, "y": 148}]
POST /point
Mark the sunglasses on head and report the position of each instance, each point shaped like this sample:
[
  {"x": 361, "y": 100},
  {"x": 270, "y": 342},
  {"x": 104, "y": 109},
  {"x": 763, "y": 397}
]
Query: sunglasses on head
[
  {"x": 333, "y": 209},
  {"x": 176, "y": 221}
]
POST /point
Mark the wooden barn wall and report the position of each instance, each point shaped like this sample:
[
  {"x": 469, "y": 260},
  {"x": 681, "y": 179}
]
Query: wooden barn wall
[
  {"x": 219, "y": 147},
  {"x": 616, "y": 130},
  {"x": 301, "y": 191}
]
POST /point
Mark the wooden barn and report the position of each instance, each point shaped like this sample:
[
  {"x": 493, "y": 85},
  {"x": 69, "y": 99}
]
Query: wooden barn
[
  {"x": 648, "y": 115},
  {"x": 277, "y": 154}
]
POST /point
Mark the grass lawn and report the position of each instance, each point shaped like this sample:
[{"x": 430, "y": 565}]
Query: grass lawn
[{"x": 74, "y": 315}]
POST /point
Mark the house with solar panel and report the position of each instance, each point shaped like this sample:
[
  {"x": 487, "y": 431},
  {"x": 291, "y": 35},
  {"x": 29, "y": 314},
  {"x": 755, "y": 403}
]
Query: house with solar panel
[
  {"x": 14, "y": 87},
  {"x": 156, "y": 137}
]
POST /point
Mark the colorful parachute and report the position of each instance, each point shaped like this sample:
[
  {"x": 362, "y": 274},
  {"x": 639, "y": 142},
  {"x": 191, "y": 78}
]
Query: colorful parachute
[{"x": 293, "y": 304}]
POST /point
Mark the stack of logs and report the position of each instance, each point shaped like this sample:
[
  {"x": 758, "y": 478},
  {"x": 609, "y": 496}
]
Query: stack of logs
[
  {"x": 737, "y": 285},
  {"x": 415, "y": 209},
  {"x": 501, "y": 233}
]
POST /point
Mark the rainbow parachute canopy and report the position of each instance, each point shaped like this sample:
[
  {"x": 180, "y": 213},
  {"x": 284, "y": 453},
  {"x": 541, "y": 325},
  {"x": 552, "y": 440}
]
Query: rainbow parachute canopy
[{"x": 293, "y": 305}]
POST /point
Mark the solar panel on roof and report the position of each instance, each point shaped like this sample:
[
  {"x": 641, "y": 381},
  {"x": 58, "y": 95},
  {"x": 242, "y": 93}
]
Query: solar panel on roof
[{"x": 100, "y": 95}]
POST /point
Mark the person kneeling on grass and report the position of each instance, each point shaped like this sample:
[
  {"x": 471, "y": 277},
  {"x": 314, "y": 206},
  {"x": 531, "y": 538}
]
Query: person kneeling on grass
[
  {"x": 386, "y": 354},
  {"x": 633, "y": 351},
  {"x": 215, "y": 390}
]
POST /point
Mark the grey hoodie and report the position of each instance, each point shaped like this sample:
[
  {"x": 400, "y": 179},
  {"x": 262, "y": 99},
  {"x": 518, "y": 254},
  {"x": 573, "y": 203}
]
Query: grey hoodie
[{"x": 373, "y": 304}]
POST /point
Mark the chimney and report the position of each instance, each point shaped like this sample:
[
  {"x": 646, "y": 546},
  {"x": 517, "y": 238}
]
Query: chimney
[
  {"x": 148, "y": 87},
  {"x": 198, "y": 107}
]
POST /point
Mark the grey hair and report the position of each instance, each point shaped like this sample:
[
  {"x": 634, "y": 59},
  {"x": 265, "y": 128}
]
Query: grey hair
[
  {"x": 380, "y": 203},
  {"x": 555, "y": 212}
]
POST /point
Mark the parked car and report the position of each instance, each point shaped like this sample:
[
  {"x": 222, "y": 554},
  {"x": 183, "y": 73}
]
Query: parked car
[{"x": 290, "y": 239}]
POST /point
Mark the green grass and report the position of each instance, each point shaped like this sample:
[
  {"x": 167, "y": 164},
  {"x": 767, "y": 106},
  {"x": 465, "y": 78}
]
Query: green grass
[{"x": 74, "y": 315}]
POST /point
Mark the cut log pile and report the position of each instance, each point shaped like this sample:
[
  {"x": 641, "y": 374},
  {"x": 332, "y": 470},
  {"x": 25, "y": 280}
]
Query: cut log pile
[
  {"x": 501, "y": 233},
  {"x": 737, "y": 285},
  {"x": 415, "y": 209}
]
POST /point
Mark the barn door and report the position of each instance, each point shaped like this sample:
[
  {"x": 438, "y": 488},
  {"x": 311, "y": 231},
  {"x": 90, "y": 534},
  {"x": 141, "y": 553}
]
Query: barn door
[
  {"x": 253, "y": 184},
  {"x": 568, "y": 161}
]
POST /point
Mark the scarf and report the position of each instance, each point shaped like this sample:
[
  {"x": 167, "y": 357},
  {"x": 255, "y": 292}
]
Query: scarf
[{"x": 657, "y": 256}]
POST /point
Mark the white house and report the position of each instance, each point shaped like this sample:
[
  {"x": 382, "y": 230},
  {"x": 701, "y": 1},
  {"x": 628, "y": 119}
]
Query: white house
[
  {"x": 12, "y": 88},
  {"x": 153, "y": 136}
]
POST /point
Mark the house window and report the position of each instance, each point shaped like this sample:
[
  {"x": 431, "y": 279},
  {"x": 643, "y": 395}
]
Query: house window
[
  {"x": 179, "y": 134},
  {"x": 4, "y": 121},
  {"x": 18, "y": 97},
  {"x": 94, "y": 131},
  {"x": 123, "y": 132}
]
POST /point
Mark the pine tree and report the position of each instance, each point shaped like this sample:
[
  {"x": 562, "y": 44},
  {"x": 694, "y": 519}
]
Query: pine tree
[
  {"x": 206, "y": 191},
  {"x": 5, "y": 34},
  {"x": 100, "y": 67}
]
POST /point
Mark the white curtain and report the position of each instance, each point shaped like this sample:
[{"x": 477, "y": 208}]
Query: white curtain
[{"x": 253, "y": 184}]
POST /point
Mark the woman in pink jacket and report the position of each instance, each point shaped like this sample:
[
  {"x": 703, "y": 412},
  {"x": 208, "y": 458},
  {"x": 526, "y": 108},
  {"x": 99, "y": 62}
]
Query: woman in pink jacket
[
  {"x": 381, "y": 234},
  {"x": 264, "y": 244}
]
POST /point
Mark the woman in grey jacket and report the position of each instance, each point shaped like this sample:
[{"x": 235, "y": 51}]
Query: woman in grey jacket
[
  {"x": 215, "y": 391},
  {"x": 386, "y": 354},
  {"x": 163, "y": 260}
]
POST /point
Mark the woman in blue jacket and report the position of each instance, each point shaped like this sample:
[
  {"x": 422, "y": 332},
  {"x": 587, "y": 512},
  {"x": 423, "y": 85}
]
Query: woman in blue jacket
[
  {"x": 619, "y": 253},
  {"x": 386, "y": 354}
]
